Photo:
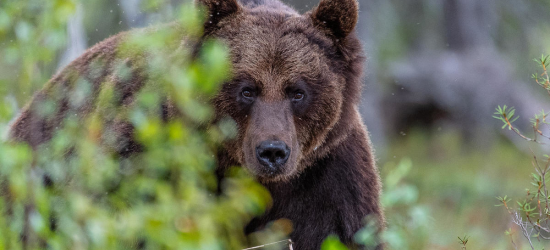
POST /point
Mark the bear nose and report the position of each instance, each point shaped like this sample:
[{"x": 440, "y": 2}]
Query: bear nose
[{"x": 272, "y": 154}]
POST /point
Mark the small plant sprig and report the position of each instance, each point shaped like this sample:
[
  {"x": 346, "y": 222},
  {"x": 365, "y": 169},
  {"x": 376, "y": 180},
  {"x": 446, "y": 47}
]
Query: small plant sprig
[
  {"x": 543, "y": 79},
  {"x": 533, "y": 214},
  {"x": 538, "y": 121},
  {"x": 510, "y": 233},
  {"x": 463, "y": 241},
  {"x": 506, "y": 115}
]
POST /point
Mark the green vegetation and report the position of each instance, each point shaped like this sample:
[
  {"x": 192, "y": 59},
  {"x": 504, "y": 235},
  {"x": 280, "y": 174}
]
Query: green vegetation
[
  {"x": 74, "y": 192},
  {"x": 532, "y": 215}
]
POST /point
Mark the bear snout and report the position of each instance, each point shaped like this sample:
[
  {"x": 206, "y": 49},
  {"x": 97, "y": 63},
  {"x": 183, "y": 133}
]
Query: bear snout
[{"x": 272, "y": 154}]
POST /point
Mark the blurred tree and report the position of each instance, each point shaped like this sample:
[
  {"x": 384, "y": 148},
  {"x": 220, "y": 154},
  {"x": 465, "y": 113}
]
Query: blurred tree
[{"x": 439, "y": 60}]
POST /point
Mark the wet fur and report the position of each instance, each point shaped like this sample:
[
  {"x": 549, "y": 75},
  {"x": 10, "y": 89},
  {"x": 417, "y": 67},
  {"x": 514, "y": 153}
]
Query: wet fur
[{"x": 333, "y": 183}]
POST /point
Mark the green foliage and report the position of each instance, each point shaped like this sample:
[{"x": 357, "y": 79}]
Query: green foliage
[
  {"x": 532, "y": 215},
  {"x": 407, "y": 220},
  {"x": 506, "y": 115},
  {"x": 543, "y": 80},
  {"x": 333, "y": 243},
  {"x": 455, "y": 185},
  {"x": 31, "y": 32},
  {"x": 503, "y": 200},
  {"x": 74, "y": 192}
]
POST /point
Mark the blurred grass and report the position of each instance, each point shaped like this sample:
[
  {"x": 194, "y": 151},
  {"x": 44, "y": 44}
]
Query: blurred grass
[{"x": 456, "y": 186}]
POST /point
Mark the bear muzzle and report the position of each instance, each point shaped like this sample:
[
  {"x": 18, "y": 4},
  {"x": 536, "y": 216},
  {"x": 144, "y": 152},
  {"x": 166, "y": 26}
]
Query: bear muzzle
[
  {"x": 273, "y": 155},
  {"x": 270, "y": 146}
]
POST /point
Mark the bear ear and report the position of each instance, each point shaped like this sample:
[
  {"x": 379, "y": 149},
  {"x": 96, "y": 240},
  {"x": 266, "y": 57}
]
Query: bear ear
[
  {"x": 218, "y": 10},
  {"x": 339, "y": 17}
]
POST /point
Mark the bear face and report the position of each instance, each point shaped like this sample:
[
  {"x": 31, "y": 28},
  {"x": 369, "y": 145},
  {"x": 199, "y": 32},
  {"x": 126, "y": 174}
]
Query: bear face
[{"x": 289, "y": 82}]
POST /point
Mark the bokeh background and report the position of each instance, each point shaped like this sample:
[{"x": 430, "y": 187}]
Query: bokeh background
[{"x": 436, "y": 70}]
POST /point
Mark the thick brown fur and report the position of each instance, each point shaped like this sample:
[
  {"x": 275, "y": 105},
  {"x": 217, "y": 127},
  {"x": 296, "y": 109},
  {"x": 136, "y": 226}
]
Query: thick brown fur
[{"x": 330, "y": 182}]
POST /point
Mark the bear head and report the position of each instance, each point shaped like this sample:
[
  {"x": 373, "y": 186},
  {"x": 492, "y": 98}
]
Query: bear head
[{"x": 295, "y": 79}]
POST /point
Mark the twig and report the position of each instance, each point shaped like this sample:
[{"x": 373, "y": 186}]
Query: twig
[
  {"x": 463, "y": 241},
  {"x": 542, "y": 174},
  {"x": 523, "y": 226},
  {"x": 516, "y": 130},
  {"x": 512, "y": 239},
  {"x": 289, "y": 245}
]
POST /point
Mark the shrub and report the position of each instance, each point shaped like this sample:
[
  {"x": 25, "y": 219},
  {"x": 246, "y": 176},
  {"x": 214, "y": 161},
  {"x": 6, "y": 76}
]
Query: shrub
[
  {"x": 74, "y": 192},
  {"x": 532, "y": 215}
]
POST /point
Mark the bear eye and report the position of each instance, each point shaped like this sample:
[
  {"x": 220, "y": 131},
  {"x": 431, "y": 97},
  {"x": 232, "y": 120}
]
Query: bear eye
[
  {"x": 298, "y": 96},
  {"x": 247, "y": 93}
]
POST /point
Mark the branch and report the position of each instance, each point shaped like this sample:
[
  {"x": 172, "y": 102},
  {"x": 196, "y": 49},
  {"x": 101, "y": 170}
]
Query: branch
[{"x": 524, "y": 228}]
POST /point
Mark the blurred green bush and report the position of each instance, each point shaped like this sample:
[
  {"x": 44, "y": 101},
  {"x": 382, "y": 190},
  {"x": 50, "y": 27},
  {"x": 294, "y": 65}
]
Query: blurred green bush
[{"x": 73, "y": 192}]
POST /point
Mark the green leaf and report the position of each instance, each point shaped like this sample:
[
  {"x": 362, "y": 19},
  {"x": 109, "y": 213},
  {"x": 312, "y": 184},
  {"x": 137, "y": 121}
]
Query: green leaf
[{"x": 333, "y": 243}]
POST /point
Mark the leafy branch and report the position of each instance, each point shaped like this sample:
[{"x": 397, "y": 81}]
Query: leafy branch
[
  {"x": 506, "y": 115},
  {"x": 532, "y": 215},
  {"x": 543, "y": 79}
]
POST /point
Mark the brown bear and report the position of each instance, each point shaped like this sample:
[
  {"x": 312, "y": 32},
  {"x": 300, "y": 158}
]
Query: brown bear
[{"x": 294, "y": 94}]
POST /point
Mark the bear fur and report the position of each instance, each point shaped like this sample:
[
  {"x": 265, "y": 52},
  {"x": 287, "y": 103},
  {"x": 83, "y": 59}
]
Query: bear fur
[{"x": 296, "y": 80}]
